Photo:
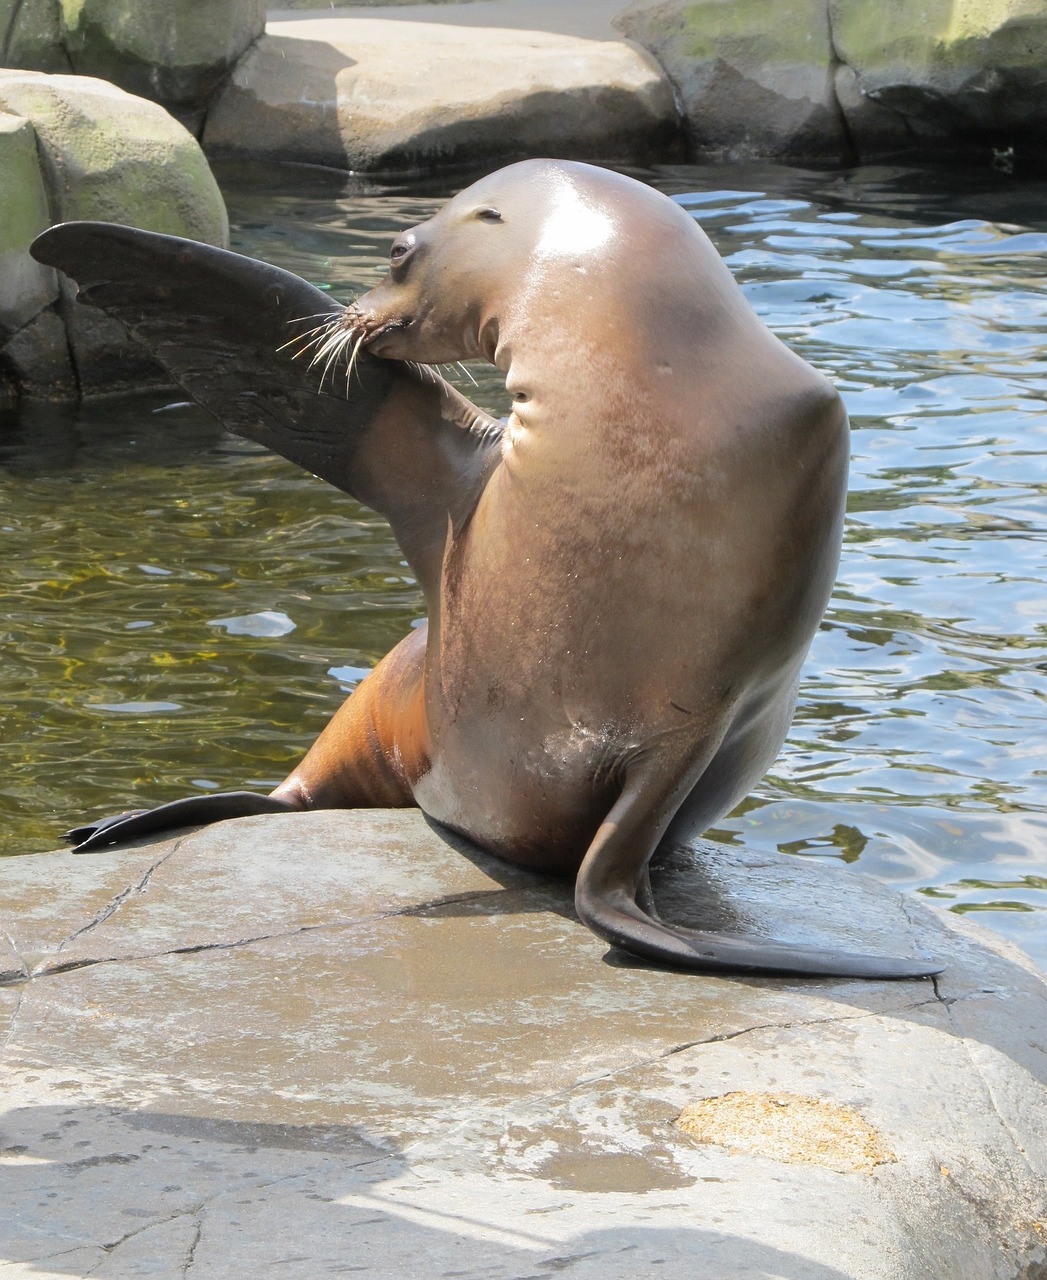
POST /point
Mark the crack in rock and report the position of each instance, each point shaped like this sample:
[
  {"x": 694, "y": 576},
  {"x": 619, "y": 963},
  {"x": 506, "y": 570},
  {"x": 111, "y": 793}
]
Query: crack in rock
[
  {"x": 468, "y": 1116},
  {"x": 990, "y": 1092},
  {"x": 190, "y": 1253},
  {"x": 193, "y": 1212},
  {"x": 48, "y": 1257},
  {"x": 9, "y": 1035},
  {"x": 50, "y": 970},
  {"x": 111, "y": 908},
  {"x": 196, "y": 1213},
  {"x": 10, "y": 976},
  {"x": 723, "y": 1036}
]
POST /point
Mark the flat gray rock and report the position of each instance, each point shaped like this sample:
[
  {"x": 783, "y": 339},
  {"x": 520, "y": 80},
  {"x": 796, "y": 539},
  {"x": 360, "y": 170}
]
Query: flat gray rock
[
  {"x": 312, "y": 1044},
  {"x": 369, "y": 94}
]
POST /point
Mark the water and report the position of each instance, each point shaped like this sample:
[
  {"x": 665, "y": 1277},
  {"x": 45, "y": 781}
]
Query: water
[{"x": 184, "y": 611}]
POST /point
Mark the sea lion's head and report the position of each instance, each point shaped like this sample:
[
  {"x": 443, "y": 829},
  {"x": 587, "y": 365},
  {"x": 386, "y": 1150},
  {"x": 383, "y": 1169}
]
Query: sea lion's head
[{"x": 456, "y": 279}]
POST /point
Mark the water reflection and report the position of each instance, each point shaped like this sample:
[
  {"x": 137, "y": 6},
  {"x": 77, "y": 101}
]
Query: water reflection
[{"x": 184, "y": 611}]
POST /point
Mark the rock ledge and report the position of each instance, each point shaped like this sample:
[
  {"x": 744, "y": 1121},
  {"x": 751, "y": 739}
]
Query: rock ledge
[{"x": 342, "y": 1039}]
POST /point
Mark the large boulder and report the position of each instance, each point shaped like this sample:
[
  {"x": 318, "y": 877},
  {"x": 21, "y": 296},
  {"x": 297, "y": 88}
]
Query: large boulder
[
  {"x": 302, "y": 1044},
  {"x": 34, "y": 355},
  {"x": 176, "y": 52},
  {"x": 31, "y": 35},
  {"x": 76, "y": 148},
  {"x": 944, "y": 72},
  {"x": 27, "y": 286},
  {"x": 753, "y": 79},
  {"x": 854, "y": 80},
  {"x": 374, "y": 95}
]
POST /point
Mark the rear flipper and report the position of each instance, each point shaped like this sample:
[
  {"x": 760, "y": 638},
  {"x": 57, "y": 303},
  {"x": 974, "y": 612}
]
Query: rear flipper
[
  {"x": 190, "y": 812},
  {"x": 613, "y": 881}
]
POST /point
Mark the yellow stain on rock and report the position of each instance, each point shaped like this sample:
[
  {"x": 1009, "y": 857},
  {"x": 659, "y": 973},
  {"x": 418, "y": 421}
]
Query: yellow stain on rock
[{"x": 789, "y": 1128}]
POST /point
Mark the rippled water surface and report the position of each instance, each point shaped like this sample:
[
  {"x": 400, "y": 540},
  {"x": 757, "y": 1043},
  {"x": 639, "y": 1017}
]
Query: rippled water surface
[{"x": 183, "y": 611}]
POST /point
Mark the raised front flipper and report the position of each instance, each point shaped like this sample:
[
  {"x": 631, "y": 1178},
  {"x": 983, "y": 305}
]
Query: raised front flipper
[
  {"x": 239, "y": 335},
  {"x": 613, "y": 882},
  {"x": 190, "y": 812}
]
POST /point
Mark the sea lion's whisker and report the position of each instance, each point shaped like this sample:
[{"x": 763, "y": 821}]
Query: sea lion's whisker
[
  {"x": 323, "y": 345},
  {"x": 333, "y": 348},
  {"x": 423, "y": 370},
  {"x": 328, "y": 316},
  {"x": 307, "y": 339},
  {"x": 337, "y": 344},
  {"x": 352, "y": 359},
  {"x": 467, "y": 371},
  {"x": 328, "y": 346},
  {"x": 319, "y": 345}
]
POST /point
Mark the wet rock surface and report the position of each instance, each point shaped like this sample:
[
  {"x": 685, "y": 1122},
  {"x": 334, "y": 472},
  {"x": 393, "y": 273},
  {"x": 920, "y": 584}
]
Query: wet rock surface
[{"x": 348, "y": 1041}]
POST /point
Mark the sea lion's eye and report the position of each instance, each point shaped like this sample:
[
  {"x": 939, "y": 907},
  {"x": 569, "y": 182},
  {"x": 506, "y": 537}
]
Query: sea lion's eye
[
  {"x": 400, "y": 250},
  {"x": 488, "y": 214}
]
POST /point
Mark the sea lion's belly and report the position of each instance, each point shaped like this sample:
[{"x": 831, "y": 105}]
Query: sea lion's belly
[
  {"x": 527, "y": 757},
  {"x": 532, "y": 792}
]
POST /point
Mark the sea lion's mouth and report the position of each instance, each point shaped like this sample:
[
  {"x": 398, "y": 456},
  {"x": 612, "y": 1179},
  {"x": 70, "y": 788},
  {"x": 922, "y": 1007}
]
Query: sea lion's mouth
[
  {"x": 373, "y": 340},
  {"x": 336, "y": 342}
]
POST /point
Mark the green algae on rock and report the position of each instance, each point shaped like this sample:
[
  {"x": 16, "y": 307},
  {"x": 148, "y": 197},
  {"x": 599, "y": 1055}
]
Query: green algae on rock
[{"x": 72, "y": 147}]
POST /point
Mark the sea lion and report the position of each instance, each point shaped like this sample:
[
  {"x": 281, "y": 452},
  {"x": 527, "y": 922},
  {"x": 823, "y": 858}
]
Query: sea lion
[{"x": 622, "y": 582}]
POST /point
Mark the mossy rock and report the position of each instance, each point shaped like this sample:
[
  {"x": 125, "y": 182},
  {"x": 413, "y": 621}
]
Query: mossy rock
[
  {"x": 31, "y": 36},
  {"x": 76, "y": 148},
  {"x": 754, "y": 77},
  {"x": 177, "y": 52},
  {"x": 854, "y": 80},
  {"x": 26, "y": 287},
  {"x": 951, "y": 70}
]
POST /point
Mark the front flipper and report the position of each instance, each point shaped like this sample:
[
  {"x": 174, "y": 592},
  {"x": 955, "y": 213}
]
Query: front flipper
[
  {"x": 190, "y": 812},
  {"x": 238, "y": 335},
  {"x": 613, "y": 881}
]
